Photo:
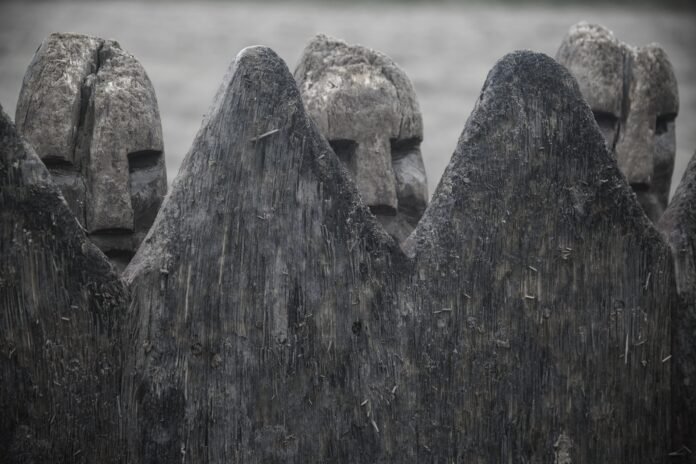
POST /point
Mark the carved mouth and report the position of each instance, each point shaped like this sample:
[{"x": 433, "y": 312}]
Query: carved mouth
[
  {"x": 640, "y": 187},
  {"x": 383, "y": 210},
  {"x": 111, "y": 232},
  {"x": 117, "y": 255},
  {"x": 118, "y": 241},
  {"x": 120, "y": 258}
]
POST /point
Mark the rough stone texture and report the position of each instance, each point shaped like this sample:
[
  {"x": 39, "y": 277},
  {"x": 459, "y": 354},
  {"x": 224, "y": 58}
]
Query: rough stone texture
[
  {"x": 90, "y": 111},
  {"x": 633, "y": 94},
  {"x": 61, "y": 307},
  {"x": 679, "y": 226},
  {"x": 273, "y": 320},
  {"x": 366, "y": 107}
]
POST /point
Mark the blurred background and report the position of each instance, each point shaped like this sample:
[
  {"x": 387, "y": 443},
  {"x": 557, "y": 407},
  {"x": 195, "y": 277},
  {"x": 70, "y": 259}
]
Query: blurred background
[{"x": 446, "y": 48}]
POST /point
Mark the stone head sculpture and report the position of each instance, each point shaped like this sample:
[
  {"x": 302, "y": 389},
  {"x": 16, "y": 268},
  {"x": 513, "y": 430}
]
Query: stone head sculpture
[
  {"x": 89, "y": 110},
  {"x": 366, "y": 107},
  {"x": 633, "y": 94}
]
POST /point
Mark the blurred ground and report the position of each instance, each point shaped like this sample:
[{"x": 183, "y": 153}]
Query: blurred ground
[{"x": 446, "y": 49}]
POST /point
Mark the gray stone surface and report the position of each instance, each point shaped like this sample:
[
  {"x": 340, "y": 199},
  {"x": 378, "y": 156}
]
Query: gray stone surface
[
  {"x": 366, "y": 107},
  {"x": 679, "y": 226},
  {"x": 90, "y": 111},
  {"x": 633, "y": 94},
  {"x": 61, "y": 312}
]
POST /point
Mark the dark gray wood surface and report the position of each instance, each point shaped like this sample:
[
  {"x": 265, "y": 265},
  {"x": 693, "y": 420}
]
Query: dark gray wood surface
[
  {"x": 543, "y": 292},
  {"x": 61, "y": 312},
  {"x": 679, "y": 226},
  {"x": 273, "y": 320}
]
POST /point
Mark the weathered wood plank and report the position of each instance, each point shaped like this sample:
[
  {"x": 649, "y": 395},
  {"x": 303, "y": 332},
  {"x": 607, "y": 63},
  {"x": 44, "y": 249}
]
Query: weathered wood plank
[
  {"x": 273, "y": 320},
  {"x": 679, "y": 226},
  {"x": 61, "y": 309},
  {"x": 543, "y": 293},
  {"x": 261, "y": 294}
]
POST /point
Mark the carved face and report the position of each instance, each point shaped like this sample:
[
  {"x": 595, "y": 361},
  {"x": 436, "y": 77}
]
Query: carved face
[
  {"x": 90, "y": 112},
  {"x": 633, "y": 94},
  {"x": 366, "y": 108}
]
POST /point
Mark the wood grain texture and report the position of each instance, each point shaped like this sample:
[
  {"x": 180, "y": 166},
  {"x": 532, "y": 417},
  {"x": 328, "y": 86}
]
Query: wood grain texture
[
  {"x": 61, "y": 308},
  {"x": 273, "y": 320},
  {"x": 543, "y": 292},
  {"x": 679, "y": 226},
  {"x": 260, "y": 293}
]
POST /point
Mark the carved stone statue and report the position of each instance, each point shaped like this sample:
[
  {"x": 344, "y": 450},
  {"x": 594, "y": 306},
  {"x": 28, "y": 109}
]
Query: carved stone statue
[
  {"x": 89, "y": 110},
  {"x": 633, "y": 94},
  {"x": 366, "y": 107}
]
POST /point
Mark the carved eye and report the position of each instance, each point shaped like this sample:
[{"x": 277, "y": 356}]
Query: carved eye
[
  {"x": 144, "y": 159},
  {"x": 344, "y": 149},
  {"x": 55, "y": 164},
  {"x": 662, "y": 123},
  {"x": 605, "y": 120},
  {"x": 402, "y": 148}
]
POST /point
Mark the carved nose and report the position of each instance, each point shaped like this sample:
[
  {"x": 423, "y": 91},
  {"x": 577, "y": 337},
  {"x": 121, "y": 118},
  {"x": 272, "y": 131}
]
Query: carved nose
[
  {"x": 108, "y": 199},
  {"x": 639, "y": 171},
  {"x": 635, "y": 150},
  {"x": 375, "y": 176}
]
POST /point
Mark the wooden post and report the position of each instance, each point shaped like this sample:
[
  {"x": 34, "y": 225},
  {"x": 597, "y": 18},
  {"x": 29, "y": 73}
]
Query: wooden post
[
  {"x": 262, "y": 294},
  {"x": 679, "y": 226},
  {"x": 273, "y": 320},
  {"x": 61, "y": 310},
  {"x": 543, "y": 293}
]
